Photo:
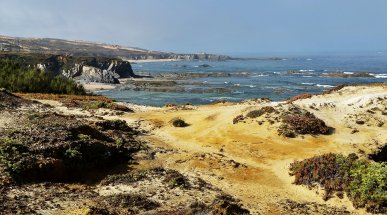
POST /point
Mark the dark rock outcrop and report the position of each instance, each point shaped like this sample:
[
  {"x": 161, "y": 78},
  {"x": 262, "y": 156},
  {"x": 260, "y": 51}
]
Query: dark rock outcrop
[
  {"x": 88, "y": 69},
  {"x": 102, "y": 70}
]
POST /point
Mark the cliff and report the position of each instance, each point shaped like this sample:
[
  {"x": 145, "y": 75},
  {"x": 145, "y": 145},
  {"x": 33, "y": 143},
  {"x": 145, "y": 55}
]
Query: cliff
[{"x": 87, "y": 69}]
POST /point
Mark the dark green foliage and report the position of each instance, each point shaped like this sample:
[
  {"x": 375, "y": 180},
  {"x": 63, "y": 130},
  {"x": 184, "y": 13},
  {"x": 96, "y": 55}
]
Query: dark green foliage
[
  {"x": 17, "y": 78},
  {"x": 14, "y": 157},
  {"x": 368, "y": 187},
  {"x": 179, "y": 123},
  {"x": 116, "y": 124},
  {"x": 365, "y": 182}
]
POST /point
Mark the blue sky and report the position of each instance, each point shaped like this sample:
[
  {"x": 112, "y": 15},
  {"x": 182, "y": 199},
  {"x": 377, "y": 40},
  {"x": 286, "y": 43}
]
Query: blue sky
[{"x": 218, "y": 26}]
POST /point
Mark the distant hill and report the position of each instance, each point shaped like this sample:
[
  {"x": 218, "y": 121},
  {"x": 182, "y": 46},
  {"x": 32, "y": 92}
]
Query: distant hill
[{"x": 92, "y": 49}]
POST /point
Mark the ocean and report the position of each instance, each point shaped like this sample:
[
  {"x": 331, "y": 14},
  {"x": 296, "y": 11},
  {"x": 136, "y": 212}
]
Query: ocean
[{"x": 277, "y": 78}]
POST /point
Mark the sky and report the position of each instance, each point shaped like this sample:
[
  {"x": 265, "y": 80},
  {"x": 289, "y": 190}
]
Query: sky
[{"x": 214, "y": 26}]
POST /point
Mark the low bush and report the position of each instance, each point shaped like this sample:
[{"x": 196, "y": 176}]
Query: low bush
[
  {"x": 238, "y": 119},
  {"x": 15, "y": 157},
  {"x": 260, "y": 112},
  {"x": 179, "y": 123},
  {"x": 106, "y": 104},
  {"x": 368, "y": 187},
  {"x": 304, "y": 123},
  {"x": 116, "y": 124},
  {"x": 365, "y": 182},
  {"x": 176, "y": 179}
]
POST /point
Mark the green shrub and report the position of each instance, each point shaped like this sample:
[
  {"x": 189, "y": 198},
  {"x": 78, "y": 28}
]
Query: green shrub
[
  {"x": 17, "y": 78},
  {"x": 73, "y": 153},
  {"x": 365, "y": 182},
  {"x": 14, "y": 156},
  {"x": 368, "y": 187},
  {"x": 84, "y": 137}
]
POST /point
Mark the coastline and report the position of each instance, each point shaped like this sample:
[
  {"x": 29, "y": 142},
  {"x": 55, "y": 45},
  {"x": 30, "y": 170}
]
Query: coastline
[
  {"x": 94, "y": 86},
  {"x": 153, "y": 60}
]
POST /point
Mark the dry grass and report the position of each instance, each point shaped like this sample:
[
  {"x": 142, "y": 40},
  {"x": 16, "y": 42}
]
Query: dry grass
[
  {"x": 58, "y": 97},
  {"x": 298, "y": 97}
]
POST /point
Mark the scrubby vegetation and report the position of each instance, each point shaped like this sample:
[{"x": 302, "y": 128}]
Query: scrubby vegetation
[
  {"x": 17, "y": 78},
  {"x": 105, "y": 104},
  {"x": 303, "y": 123},
  {"x": 238, "y": 119},
  {"x": 179, "y": 123},
  {"x": 364, "y": 181},
  {"x": 298, "y": 97},
  {"x": 260, "y": 112},
  {"x": 52, "y": 147},
  {"x": 176, "y": 179}
]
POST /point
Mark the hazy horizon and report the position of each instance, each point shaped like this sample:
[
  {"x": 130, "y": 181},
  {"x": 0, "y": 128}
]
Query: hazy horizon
[{"x": 254, "y": 27}]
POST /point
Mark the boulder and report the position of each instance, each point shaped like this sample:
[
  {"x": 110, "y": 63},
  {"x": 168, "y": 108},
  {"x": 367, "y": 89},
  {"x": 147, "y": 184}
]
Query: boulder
[{"x": 93, "y": 74}]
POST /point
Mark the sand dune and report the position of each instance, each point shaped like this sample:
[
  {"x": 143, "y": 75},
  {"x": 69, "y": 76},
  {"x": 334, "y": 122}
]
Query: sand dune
[{"x": 250, "y": 160}]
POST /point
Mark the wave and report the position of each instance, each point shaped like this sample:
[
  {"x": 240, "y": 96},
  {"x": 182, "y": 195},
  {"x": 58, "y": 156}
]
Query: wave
[
  {"x": 306, "y": 70},
  {"x": 380, "y": 75},
  {"x": 307, "y": 76},
  {"x": 324, "y": 85},
  {"x": 260, "y": 75},
  {"x": 307, "y": 83},
  {"x": 238, "y": 92}
]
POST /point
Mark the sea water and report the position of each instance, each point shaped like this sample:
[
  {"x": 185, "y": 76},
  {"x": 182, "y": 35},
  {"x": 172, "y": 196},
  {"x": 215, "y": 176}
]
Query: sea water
[{"x": 277, "y": 78}]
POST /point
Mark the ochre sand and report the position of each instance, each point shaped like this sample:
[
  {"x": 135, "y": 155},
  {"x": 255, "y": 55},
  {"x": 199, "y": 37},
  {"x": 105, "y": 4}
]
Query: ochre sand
[{"x": 251, "y": 161}]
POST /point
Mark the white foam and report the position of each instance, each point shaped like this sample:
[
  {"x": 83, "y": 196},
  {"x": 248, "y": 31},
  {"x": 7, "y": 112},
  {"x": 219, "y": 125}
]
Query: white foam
[
  {"x": 306, "y": 83},
  {"x": 348, "y": 73},
  {"x": 238, "y": 92},
  {"x": 379, "y": 75},
  {"x": 324, "y": 85},
  {"x": 260, "y": 75},
  {"x": 307, "y": 76},
  {"x": 306, "y": 70}
]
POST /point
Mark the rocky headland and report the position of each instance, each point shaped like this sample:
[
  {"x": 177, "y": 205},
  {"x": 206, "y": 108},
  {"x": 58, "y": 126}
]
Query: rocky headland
[{"x": 92, "y": 49}]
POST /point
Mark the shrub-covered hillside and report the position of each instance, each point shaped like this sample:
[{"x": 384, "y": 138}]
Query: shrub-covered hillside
[{"x": 17, "y": 78}]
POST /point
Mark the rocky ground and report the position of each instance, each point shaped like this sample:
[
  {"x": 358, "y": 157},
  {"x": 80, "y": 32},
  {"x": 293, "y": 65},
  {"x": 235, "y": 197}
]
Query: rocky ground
[
  {"x": 90, "y": 155},
  {"x": 65, "y": 157}
]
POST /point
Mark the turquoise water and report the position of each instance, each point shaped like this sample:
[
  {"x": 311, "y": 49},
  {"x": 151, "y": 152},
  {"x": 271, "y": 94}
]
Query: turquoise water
[{"x": 267, "y": 77}]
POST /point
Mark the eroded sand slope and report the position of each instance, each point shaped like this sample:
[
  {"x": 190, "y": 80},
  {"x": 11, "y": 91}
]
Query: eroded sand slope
[{"x": 250, "y": 161}]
